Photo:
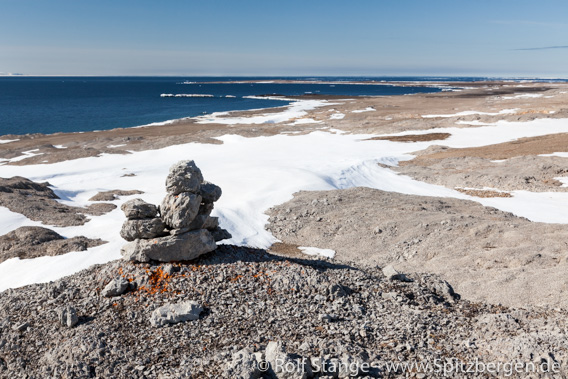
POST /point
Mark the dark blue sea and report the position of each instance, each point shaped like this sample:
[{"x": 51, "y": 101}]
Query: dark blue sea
[{"x": 72, "y": 104}]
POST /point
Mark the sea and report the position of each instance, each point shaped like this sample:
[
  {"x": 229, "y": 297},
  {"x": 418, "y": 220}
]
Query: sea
[{"x": 77, "y": 104}]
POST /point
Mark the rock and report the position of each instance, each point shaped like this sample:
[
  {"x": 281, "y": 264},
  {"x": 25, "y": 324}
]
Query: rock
[
  {"x": 178, "y": 211},
  {"x": 137, "y": 209},
  {"x": 211, "y": 223},
  {"x": 144, "y": 228},
  {"x": 174, "y": 313},
  {"x": 285, "y": 365},
  {"x": 35, "y": 241},
  {"x": 392, "y": 274},
  {"x": 115, "y": 287},
  {"x": 204, "y": 222},
  {"x": 244, "y": 365},
  {"x": 67, "y": 316},
  {"x": 220, "y": 234},
  {"x": 181, "y": 247},
  {"x": 113, "y": 195},
  {"x": 184, "y": 176},
  {"x": 210, "y": 192}
]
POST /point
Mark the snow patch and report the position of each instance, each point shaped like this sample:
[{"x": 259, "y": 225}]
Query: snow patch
[{"x": 327, "y": 253}]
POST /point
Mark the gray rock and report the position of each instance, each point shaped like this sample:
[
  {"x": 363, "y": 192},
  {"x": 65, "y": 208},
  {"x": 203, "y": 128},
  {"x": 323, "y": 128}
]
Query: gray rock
[
  {"x": 244, "y": 365},
  {"x": 285, "y": 365},
  {"x": 392, "y": 274},
  {"x": 115, "y": 287},
  {"x": 178, "y": 211},
  {"x": 184, "y": 176},
  {"x": 67, "y": 316},
  {"x": 220, "y": 234},
  {"x": 174, "y": 313},
  {"x": 210, "y": 192},
  {"x": 204, "y": 222},
  {"x": 144, "y": 228},
  {"x": 181, "y": 247},
  {"x": 138, "y": 208}
]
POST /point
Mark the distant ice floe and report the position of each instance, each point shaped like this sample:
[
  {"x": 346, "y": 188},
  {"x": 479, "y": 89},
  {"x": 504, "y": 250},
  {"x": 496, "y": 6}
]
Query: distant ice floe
[
  {"x": 337, "y": 116},
  {"x": 368, "y": 109},
  {"x": 469, "y": 113},
  {"x": 7, "y": 140},
  {"x": 327, "y": 253},
  {"x": 523, "y": 96},
  {"x": 185, "y": 95}
]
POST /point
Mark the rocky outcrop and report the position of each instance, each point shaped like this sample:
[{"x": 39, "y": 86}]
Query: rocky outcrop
[
  {"x": 35, "y": 241},
  {"x": 38, "y": 202},
  {"x": 181, "y": 228}
]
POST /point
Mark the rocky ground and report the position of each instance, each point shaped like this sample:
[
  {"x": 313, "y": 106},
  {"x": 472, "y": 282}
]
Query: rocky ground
[
  {"x": 486, "y": 254},
  {"x": 277, "y": 309},
  {"x": 38, "y": 202},
  {"x": 231, "y": 311},
  {"x": 33, "y": 241}
]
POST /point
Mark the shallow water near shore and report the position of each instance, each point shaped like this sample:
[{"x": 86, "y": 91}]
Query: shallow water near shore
[{"x": 78, "y": 104}]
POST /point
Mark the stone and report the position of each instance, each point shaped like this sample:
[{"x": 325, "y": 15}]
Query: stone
[
  {"x": 174, "y": 313},
  {"x": 178, "y": 211},
  {"x": 244, "y": 365},
  {"x": 67, "y": 316},
  {"x": 392, "y": 274},
  {"x": 204, "y": 222},
  {"x": 286, "y": 365},
  {"x": 184, "y": 176},
  {"x": 115, "y": 287},
  {"x": 137, "y": 209},
  {"x": 210, "y": 192},
  {"x": 181, "y": 247},
  {"x": 144, "y": 228},
  {"x": 220, "y": 234}
]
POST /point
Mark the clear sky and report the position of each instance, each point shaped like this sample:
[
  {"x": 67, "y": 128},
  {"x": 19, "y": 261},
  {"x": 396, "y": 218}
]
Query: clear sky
[{"x": 269, "y": 37}]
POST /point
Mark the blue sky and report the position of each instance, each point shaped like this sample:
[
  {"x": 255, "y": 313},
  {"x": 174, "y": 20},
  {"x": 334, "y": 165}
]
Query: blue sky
[{"x": 381, "y": 37}]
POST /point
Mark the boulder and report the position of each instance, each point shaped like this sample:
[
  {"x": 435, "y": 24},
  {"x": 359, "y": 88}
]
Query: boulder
[
  {"x": 287, "y": 365},
  {"x": 144, "y": 228},
  {"x": 174, "y": 313},
  {"x": 138, "y": 209},
  {"x": 67, "y": 316},
  {"x": 180, "y": 247},
  {"x": 178, "y": 211},
  {"x": 184, "y": 176},
  {"x": 392, "y": 274},
  {"x": 210, "y": 192},
  {"x": 115, "y": 287}
]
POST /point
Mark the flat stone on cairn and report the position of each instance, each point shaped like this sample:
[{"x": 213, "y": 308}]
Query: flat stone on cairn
[{"x": 184, "y": 229}]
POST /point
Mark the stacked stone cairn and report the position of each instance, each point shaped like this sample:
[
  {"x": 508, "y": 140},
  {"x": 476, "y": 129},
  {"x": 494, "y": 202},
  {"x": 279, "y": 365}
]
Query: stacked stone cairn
[{"x": 181, "y": 228}]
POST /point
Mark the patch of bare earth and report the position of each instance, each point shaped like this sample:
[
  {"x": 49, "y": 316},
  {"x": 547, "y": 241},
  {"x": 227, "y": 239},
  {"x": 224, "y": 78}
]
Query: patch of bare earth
[{"x": 486, "y": 254}]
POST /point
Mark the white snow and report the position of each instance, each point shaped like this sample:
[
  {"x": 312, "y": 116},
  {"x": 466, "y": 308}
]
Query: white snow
[
  {"x": 337, "y": 116},
  {"x": 523, "y": 96},
  {"x": 7, "y": 140},
  {"x": 295, "y": 110},
  {"x": 368, "y": 109},
  {"x": 59, "y": 147},
  {"x": 327, "y": 253},
  {"x": 25, "y": 155},
  {"x": 469, "y": 113},
  {"x": 255, "y": 174},
  {"x": 113, "y": 146},
  {"x": 557, "y": 154}
]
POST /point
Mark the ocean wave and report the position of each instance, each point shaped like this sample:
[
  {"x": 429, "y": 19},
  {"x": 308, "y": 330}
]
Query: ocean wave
[{"x": 185, "y": 95}]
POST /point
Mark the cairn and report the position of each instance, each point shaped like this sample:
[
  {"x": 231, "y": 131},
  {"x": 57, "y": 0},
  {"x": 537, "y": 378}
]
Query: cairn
[{"x": 181, "y": 228}]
